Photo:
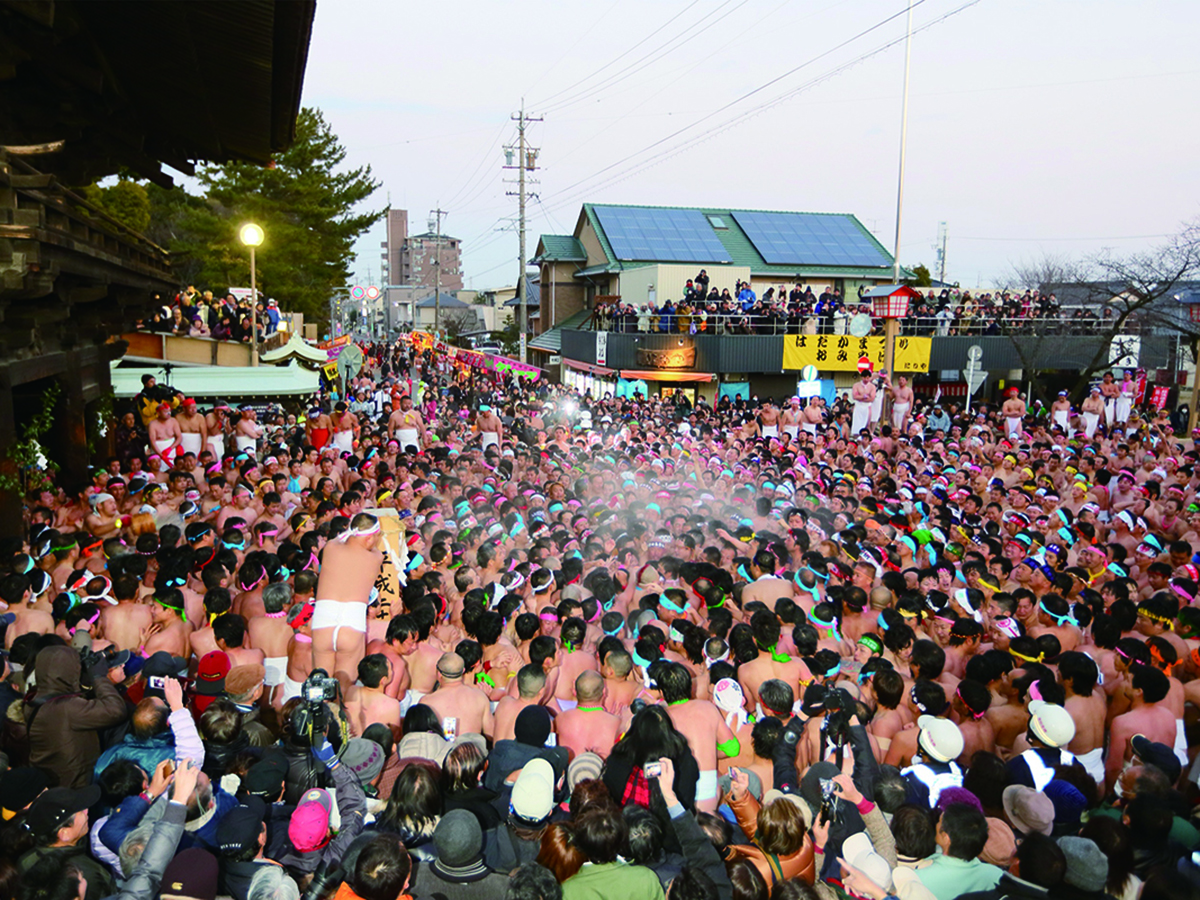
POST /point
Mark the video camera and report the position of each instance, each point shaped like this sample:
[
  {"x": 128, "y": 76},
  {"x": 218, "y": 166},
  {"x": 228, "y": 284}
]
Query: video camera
[{"x": 839, "y": 709}]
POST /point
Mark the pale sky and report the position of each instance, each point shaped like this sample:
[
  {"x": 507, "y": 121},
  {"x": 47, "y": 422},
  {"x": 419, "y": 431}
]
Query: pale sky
[{"x": 1035, "y": 126}]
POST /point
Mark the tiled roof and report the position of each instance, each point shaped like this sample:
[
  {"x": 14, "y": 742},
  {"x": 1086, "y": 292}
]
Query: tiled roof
[
  {"x": 560, "y": 248},
  {"x": 551, "y": 340}
]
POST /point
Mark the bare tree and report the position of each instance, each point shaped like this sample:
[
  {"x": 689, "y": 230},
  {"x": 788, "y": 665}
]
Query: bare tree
[{"x": 1124, "y": 295}]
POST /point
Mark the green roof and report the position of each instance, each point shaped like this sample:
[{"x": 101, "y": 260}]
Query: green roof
[
  {"x": 741, "y": 249},
  {"x": 560, "y": 248},
  {"x": 551, "y": 340}
]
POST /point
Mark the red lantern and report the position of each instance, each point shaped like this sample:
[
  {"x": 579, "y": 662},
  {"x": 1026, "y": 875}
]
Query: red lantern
[{"x": 893, "y": 306}]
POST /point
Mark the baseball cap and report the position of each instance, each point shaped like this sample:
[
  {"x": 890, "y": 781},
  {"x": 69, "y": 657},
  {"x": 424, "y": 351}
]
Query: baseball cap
[
  {"x": 54, "y": 807},
  {"x": 940, "y": 738},
  {"x": 19, "y": 787},
  {"x": 1155, "y": 754},
  {"x": 860, "y": 853},
  {"x": 211, "y": 673},
  {"x": 1050, "y": 723},
  {"x": 240, "y": 827},
  {"x": 309, "y": 826},
  {"x": 533, "y": 792}
]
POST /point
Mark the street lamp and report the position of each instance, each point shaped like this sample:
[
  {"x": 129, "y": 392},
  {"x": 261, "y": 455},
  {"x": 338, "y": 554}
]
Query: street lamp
[{"x": 252, "y": 236}]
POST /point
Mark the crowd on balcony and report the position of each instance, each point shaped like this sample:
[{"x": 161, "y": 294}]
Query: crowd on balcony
[
  {"x": 799, "y": 310},
  {"x": 192, "y": 313}
]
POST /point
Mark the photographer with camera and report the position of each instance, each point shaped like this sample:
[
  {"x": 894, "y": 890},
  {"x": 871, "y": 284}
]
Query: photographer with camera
[
  {"x": 309, "y": 721},
  {"x": 309, "y": 830},
  {"x": 63, "y": 724}
]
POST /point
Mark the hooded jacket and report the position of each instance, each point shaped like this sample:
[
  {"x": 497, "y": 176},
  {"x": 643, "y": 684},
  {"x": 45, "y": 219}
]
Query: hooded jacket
[{"x": 63, "y": 734}]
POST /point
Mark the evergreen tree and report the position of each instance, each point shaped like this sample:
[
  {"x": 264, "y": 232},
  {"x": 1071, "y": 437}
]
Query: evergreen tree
[{"x": 308, "y": 208}]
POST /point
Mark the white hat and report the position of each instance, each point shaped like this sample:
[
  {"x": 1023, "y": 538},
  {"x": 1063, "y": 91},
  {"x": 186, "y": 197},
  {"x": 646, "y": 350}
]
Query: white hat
[
  {"x": 1051, "y": 724},
  {"x": 533, "y": 792},
  {"x": 940, "y": 738},
  {"x": 860, "y": 853}
]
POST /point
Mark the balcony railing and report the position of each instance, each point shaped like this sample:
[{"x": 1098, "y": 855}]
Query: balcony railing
[{"x": 929, "y": 326}]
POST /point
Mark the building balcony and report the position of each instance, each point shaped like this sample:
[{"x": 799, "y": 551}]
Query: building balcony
[{"x": 763, "y": 353}]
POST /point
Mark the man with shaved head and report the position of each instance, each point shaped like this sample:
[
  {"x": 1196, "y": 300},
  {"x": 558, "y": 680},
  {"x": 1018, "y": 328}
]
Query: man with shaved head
[
  {"x": 588, "y": 727},
  {"x": 453, "y": 699}
]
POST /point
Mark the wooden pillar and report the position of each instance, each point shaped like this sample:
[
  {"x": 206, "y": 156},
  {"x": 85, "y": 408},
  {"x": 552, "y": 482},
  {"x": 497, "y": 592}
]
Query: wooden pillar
[
  {"x": 71, "y": 424},
  {"x": 11, "y": 524}
]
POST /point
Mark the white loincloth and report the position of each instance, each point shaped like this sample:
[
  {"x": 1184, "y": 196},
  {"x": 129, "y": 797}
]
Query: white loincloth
[
  {"x": 408, "y": 437},
  {"x": 1110, "y": 410},
  {"x": 1012, "y": 426},
  {"x": 217, "y": 446},
  {"x": 344, "y": 440},
  {"x": 276, "y": 670},
  {"x": 899, "y": 411},
  {"x": 291, "y": 688},
  {"x": 411, "y": 699},
  {"x": 1091, "y": 421},
  {"x": 1124, "y": 406},
  {"x": 489, "y": 439},
  {"x": 770, "y": 431},
  {"x": 1181, "y": 747},
  {"x": 192, "y": 442},
  {"x": 811, "y": 428},
  {"x": 877, "y": 407},
  {"x": 862, "y": 413},
  {"x": 161, "y": 448},
  {"x": 1061, "y": 418},
  {"x": 1093, "y": 762},
  {"x": 338, "y": 615},
  {"x": 792, "y": 431},
  {"x": 707, "y": 787},
  {"x": 245, "y": 443}
]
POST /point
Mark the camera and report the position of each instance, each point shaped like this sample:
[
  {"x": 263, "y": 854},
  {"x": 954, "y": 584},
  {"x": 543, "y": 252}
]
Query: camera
[
  {"x": 111, "y": 657},
  {"x": 319, "y": 686},
  {"x": 311, "y": 719}
]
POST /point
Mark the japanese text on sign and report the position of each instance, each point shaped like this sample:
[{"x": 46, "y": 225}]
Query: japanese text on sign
[{"x": 841, "y": 352}]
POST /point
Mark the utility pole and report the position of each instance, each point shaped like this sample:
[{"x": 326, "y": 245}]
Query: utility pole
[
  {"x": 526, "y": 160},
  {"x": 903, "y": 143},
  {"x": 437, "y": 270}
]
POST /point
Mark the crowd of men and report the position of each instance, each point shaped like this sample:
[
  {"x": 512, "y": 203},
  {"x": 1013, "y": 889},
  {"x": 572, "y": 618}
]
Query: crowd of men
[{"x": 455, "y": 634}]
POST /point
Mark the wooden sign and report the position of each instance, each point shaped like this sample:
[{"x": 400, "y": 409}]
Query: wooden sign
[
  {"x": 392, "y": 577},
  {"x": 672, "y": 358}
]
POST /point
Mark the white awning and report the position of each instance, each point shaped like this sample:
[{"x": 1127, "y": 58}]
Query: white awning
[{"x": 221, "y": 381}]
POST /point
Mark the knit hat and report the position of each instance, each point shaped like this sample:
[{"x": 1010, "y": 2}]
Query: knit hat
[
  {"x": 533, "y": 792},
  {"x": 459, "y": 842},
  {"x": 309, "y": 826},
  {"x": 1051, "y": 724},
  {"x": 1069, "y": 804},
  {"x": 192, "y": 873},
  {"x": 532, "y": 726},
  {"x": 1029, "y": 810},
  {"x": 1001, "y": 844},
  {"x": 958, "y": 795},
  {"x": 364, "y": 758},
  {"x": 582, "y": 767},
  {"x": 1087, "y": 866}
]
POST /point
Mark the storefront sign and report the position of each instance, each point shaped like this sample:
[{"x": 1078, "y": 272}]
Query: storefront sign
[
  {"x": 841, "y": 352},
  {"x": 672, "y": 358}
]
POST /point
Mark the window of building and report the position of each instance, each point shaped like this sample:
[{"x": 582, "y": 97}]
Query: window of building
[{"x": 717, "y": 222}]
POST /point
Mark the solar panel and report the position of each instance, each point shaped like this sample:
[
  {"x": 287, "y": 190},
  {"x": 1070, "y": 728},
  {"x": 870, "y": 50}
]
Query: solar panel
[
  {"x": 810, "y": 239},
  {"x": 667, "y": 235}
]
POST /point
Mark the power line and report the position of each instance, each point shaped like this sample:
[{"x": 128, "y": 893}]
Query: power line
[
  {"x": 604, "y": 15},
  {"x": 491, "y": 149},
  {"x": 744, "y": 96},
  {"x": 649, "y": 59},
  {"x": 618, "y": 58},
  {"x": 711, "y": 133}
]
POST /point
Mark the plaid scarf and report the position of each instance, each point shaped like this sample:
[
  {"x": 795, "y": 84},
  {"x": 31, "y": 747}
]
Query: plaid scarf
[{"x": 637, "y": 789}]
